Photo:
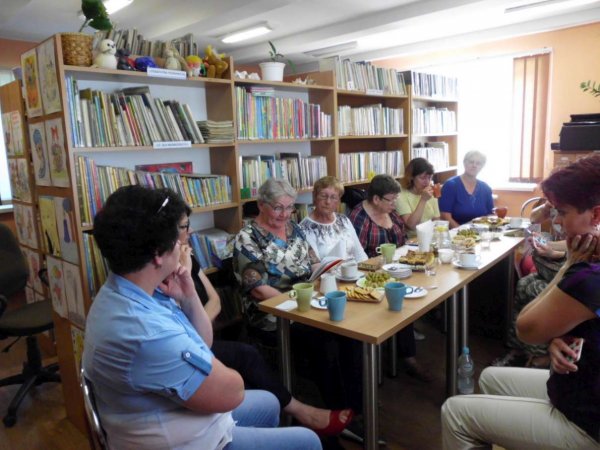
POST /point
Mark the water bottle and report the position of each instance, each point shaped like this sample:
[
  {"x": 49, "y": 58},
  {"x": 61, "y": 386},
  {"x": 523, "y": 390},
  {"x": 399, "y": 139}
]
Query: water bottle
[{"x": 466, "y": 369}]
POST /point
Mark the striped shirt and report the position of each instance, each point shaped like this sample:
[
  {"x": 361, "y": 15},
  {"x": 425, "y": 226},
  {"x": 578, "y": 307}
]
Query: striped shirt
[{"x": 372, "y": 235}]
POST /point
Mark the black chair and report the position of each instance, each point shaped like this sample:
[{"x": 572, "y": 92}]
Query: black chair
[{"x": 26, "y": 321}]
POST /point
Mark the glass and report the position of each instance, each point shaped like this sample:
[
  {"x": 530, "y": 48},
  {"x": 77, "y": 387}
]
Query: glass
[
  {"x": 486, "y": 239},
  {"x": 430, "y": 269},
  {"x": 185, "y": 226},
  {"x": 389, "y": 200},
  {"x": 325, "y": 197},
  {"x": 280, "y": 209}
]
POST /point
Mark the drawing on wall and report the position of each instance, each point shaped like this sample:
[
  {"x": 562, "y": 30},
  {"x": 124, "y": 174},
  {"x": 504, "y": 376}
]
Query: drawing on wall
[
  {"x": 34, "y": 263},
  {"x": 31, "y": 81},
  {"x": 41, "y": 167},
  {"x": 48, "y": 79},
  {"x": 25, "y": 224},
  {"x": 56, "y": 153},
  {"x": 65, "y": 223},
  {"x": 13, "y": 133},
  {"x": 19, "y": 179},
  {"x": 78, "y": 337},
  {"x": 56, "y": 280},
  {"x": 74, "y": 294},
  {"x": 48, "y": 220}
]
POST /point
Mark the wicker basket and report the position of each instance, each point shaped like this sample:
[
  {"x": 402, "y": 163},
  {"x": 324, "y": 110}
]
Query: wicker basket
[{"x": 77, "y": 49}]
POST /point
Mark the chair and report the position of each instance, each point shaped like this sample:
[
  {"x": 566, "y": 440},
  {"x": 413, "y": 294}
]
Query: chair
[
  {"x": 98, "y": 434},
  {"x": 26, "y": 321}
]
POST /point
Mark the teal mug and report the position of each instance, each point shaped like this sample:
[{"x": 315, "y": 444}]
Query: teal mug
[
  {"x": 395, "y": 292},
  {"x": 336, "y": 305}
]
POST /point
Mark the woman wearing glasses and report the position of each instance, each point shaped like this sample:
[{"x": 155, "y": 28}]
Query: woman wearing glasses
[{"x": 328, "y": 232}]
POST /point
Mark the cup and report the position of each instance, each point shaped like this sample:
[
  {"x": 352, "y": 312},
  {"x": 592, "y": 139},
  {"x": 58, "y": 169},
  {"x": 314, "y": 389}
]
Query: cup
[
  {"x": 336, "y": 305},
  {"x": 445, "y": 255},
  {"x": 467, "y": 259},
  {"x": 303, "y": 293},
  {"x": 430, "y": 269},
  {"x": 437, "y": 190},
  {"x": 515, "y": 222},
  {"x": 349, "y": 269},
  {"x": 328, "y": 283},
  {"x": 500, "y": 211},
  {"x": 395, "y": 292},
  {"x": 387, "y": 251},
  {"x": 486, "y": 239}
]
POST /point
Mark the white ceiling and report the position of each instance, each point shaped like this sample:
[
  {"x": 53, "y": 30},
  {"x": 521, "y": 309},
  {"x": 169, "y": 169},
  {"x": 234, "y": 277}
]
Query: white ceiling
[{"x": 381, "y": 28}]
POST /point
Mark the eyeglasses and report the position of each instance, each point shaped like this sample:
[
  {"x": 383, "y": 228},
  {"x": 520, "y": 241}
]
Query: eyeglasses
[
  {"x": 280, "y": 209},
  {"x": 325, "y": 197},
  {"x": 185, "y": 227},
  {"x": 389, "y": 200},
  {"x": 164, "y": 203}
]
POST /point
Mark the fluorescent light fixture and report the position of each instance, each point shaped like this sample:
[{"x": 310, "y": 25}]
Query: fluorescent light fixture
[
  {"x": 113, "y": 6},
  {"x": 248, "y": 33},
  {"x": 548, "y": 5},
  {"x": 332, "y": 50}
]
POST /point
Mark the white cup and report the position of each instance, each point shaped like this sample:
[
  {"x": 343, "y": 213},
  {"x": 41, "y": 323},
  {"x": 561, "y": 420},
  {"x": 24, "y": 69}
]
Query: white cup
[
  {"x": 349, "y": 269},
  {"x": 328, "y": 283},
  {"x": 486, "y": 239},
  {"x": 445, "y": 255},
  {"x": 467, "y": 259},
  {"x": 515, "y": 222}
]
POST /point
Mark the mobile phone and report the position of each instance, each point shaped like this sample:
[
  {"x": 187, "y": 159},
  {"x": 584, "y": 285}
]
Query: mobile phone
[
  {"x": 576, "y": 345},
  {"x": 540, "y": 240}
]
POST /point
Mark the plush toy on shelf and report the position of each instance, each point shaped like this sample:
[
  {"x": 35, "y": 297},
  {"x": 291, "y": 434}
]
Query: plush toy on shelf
[
  {"x": 196, "y": 66},
  {"x": 106, "y": 55},
  {"x": 174, "y": 61},
  {"x": 123, "y": 60},
  {"x": 143, "y": 62},
  {"x": 215, "y": 63}
]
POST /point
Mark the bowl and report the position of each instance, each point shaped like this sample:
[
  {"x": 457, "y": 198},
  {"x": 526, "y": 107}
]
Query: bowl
[
  {"x": 446, "y": 255},
  {"x": 396, "y": 270}
]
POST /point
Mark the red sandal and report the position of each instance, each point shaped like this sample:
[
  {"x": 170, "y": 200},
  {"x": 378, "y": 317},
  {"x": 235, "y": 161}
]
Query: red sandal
[{"x": 336, "y": 424}]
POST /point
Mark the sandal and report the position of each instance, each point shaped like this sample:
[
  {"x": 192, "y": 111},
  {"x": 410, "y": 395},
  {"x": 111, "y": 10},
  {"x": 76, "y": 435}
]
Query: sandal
[{"x": 336, "y": 424}]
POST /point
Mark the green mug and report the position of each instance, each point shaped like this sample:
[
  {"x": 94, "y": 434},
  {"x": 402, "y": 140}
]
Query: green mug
[
  {"x": 303, "y": 293},
  {"x": 387, "y": 251}
]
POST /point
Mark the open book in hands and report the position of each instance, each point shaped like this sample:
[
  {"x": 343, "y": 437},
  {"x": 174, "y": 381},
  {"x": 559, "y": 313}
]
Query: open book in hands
[{"x": 326, "y": 264}]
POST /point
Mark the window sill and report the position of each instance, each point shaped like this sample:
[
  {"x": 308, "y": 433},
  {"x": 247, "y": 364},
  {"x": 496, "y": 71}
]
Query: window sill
[{"x": 515, "y": 187}]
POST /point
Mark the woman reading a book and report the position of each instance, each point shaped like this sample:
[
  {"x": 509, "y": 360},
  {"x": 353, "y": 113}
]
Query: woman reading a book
[{"x": 271, "y": 254}]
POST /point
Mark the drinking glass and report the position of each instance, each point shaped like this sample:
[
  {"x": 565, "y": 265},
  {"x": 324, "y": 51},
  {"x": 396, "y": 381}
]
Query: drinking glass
[{"x": 430, "y": 269}]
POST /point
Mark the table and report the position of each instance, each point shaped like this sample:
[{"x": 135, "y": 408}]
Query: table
[{"x": 373, "y": 323}]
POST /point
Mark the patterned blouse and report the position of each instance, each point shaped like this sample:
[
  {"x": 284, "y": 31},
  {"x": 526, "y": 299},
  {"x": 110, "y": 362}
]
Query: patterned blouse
[
  {"x": 372, "y": 235},
  {"x": 261, "y": 258}
]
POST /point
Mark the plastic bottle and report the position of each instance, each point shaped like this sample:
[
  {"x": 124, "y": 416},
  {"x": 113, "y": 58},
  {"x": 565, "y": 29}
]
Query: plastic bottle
[{"x": 466, "y": 369}]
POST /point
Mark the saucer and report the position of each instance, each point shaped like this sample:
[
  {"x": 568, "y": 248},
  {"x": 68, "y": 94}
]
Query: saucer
[
  {"x": 460, "y": 266},
  {"x": 315, "y": 303},
  {"x": 420, "y": 293},
  {"x": 358, "y": 275}
]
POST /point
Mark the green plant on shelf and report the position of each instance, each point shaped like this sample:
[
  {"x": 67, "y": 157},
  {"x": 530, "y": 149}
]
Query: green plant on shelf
[
  {"x": 96, "y": 15},
  {"x": 278, "y": 57}
]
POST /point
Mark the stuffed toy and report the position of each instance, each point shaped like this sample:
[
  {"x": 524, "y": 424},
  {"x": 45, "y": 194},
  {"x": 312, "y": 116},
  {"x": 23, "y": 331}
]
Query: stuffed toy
[
  {"x": 174, "y": 61},
  {"x": 143, "y": 62},
  {"x": 215, "y": 65},
  {"x": 195, "y": 65},
  {"x": 123, "y": 60},
  {"x": 106, "y": 55}
]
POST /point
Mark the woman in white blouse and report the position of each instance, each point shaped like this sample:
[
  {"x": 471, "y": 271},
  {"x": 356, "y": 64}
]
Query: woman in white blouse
[{"x": 328, "y": 232}]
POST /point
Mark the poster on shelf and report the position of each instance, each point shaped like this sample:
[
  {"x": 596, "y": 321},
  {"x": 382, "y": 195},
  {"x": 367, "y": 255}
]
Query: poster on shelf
[
  {"x": 39, "y": 153},
  {"x": 56, "y": 280},
  {"x": 74, "y": 294},
  {"x": 65, "y": 223},
  {"x": 48, "y": 79},
  {"x": 34, "y": 263},
  {"x": 57, "y": 156},
  {"x": 49, "y": 230},
  {"x": 12, "y": 126},
  {"x": 77, "y": 338},
  {"x": 25, "y": 224},
  {"x": 19, "y": 179},
  {"x": 31, "y": 82}
]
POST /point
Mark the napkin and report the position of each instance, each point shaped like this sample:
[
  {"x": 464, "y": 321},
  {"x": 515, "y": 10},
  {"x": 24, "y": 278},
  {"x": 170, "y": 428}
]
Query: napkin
[{"x": 425, "y": 235}]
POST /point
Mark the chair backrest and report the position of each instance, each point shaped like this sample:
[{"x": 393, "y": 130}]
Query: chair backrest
[
  {"x": 531, "y": 202},
  {"x": 98, "y": 435},
  {"x": 13, "y": 266}
]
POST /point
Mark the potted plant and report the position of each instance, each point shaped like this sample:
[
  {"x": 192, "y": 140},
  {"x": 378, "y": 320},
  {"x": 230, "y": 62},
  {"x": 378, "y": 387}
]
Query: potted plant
[
  {"x": 273, "y": 70},
  {"x": 77, "y": 47}
]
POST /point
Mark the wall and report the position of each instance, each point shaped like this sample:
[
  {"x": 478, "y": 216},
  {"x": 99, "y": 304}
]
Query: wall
[
  {"x": 575, "y": 59},
  {"x": 10, "y": 52}
]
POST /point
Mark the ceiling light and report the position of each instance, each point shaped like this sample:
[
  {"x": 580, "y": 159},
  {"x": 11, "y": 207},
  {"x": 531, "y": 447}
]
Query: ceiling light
[
  {"x": 332, "y": 50},
  {"x": 248, "y": 33},
  {"x": 548, "y": 5},
  {"x": 112, "y": 6}
]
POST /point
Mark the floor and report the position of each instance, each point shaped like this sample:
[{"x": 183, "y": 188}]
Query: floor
[{"x": 409, "y": 410}]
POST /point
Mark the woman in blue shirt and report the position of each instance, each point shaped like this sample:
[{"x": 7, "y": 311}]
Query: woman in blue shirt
[{"x": 464, "y": 197}]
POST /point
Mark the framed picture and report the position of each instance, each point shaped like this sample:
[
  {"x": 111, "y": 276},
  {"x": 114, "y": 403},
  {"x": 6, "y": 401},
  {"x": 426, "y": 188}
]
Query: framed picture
[
  {"x": 19, "y": 179},
  {"x": 47, "y": 75},
  {"x": 39, "y": 153},
  {"x": 31, "y": 81}
]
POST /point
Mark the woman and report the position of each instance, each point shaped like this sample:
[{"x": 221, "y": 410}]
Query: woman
[
  {"x": 464, "y": 197},
  {"x": 242, "y": 357},
  {"x": 328, "y": 232},
  {"x": 416, "y": 203},
  {"x": 271, "y": 254},
  {"x": 376, "y": 222},
  {"x": 536, "y": 408}
]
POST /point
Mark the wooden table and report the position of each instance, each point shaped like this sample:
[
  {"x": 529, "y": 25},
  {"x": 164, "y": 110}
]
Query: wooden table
[{"x": 373, "y": 323}]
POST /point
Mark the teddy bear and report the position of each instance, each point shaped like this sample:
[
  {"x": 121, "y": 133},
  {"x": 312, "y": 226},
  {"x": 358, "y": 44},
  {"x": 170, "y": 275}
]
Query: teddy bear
[
  {"x": 106, "y": 55},
  {"x": 215, "y": 65},
  {"x": 174, "y": 61}
]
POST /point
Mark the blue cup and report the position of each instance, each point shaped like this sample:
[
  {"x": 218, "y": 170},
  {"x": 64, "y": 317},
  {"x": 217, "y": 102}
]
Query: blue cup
[
  {"x": 336, "y": 305},
  {"x": 395, "y": 292}
]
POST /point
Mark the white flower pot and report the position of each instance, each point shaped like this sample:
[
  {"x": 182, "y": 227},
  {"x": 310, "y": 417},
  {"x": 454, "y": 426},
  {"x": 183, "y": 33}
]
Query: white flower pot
[{"x": 272, "y": 71}]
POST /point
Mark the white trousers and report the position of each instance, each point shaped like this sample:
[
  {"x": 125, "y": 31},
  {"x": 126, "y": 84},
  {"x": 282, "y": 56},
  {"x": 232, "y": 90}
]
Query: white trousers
[{"x": 513, "y": 412}]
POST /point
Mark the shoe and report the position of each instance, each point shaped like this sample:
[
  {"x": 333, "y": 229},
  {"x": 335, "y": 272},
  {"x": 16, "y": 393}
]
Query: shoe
[
  {"x": 511, "y": 359},
  {"x": 415, "y": 370},
  {"x": 418, "y": 335},
  {"x": 355, "y": 432},
  {"x": 336, "y": 424}
]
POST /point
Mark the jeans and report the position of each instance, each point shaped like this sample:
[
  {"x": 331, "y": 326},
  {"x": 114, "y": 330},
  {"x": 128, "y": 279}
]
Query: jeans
[{"x": 256, "y": 419}]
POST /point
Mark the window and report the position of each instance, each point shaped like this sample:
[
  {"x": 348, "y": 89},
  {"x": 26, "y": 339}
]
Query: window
[{"x": 6, "y": 76}]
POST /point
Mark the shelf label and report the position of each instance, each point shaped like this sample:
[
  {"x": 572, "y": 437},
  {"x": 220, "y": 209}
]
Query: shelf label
[
  {"x": 172, "y": 144},
  {"x": 374, "y": 92},
  {"x": 166, "y": 73},
  {"x": 350, "y": 86}
]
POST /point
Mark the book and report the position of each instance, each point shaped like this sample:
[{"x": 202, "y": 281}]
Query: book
[{"x": 327, "y": 263}]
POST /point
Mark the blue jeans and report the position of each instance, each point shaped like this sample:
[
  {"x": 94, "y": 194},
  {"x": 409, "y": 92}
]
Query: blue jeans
[{"x": 256, "y": 421}]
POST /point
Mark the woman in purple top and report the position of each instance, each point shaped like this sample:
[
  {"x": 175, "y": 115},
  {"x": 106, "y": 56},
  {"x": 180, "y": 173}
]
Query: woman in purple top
[
  {"x": 535, "y": 408},
  {"x": 464, "y": 197}
]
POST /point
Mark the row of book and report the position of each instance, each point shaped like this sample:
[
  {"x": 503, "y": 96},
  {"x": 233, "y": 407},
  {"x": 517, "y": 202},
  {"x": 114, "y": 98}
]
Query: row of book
[
  {"x": 431, "y": 85},
  {"x": 95, "y": 264},
  {"x": 134, "y": 41},
  {"x": 300, "y": 171},
  {"x": 437, "y": 153},
  {"x": 211, "y": 246},
  {"x": 370, "y": 120},
  {"x": 127, "y": 117},
  {"x": 267, "y": 117},
  {"x": 362, "y": 166},
  {"x": 433, "y": 121},
  {"x": 363, "y": 76},
  {"x": 95, "y": 183},
  {"x": 217, "y": 131}
]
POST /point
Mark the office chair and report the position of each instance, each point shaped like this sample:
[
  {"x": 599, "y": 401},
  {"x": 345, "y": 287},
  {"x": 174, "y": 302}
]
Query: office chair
[
  {"x": 26, "y": 321},
  {"x": 98, "y": 435}
]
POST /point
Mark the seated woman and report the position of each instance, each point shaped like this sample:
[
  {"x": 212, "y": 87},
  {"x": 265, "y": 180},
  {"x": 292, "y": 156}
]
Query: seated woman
[
  {"x": 536, "y": 408},
  {"x": 328, "y": 232},
  {"x": 464, "y": 197},
  {"x": 376, "y": 222},
  {"x": 242, "y": 357},
  {"x": 147, "y": 343},
  {"x": 416, "y": 203},
  {"x": 271, "y": 254}
]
